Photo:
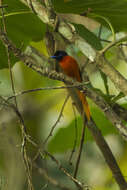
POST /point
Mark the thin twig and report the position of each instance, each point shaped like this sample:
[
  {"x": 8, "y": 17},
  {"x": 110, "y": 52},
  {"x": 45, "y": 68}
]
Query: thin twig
[
  {"x": 32, "y": 8},
  {"x": 8, "y": 55},
  {"x": 80, "y": 147},
  {"x": 68, "y": 32},
  {"x": 116, "y": 42},
  {"x": 116, "y": 108},
  {"x": 105, "y": 151},
  {"x": 47, "y": 14},
  {"x": 60, "y": 167},
  {"x": 23, "y": 128},
  {"x": 108, "y": 155},
  {"x": 79, "y": 184},
  {"x": 106, "y": 108},
  {"x": 42, "y": 145},
  {"x": 103, "y": 40},
  {"x": 57, "y": 121},
  {"x": 23, "y": 148},
  {"x": 44, "y": 71},
  {"x": 50, "y": 179},
  {"x": 25, "y": 137},
  {"x": 76, "y": 135},
  {"x": 44, "y": 88}
]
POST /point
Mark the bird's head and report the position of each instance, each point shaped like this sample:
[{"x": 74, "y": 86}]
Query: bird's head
[{"x": 59, "y": 55}]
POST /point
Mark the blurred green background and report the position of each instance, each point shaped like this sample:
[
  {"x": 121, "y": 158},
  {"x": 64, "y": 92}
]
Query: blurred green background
[{"x": 41, "y": 109}]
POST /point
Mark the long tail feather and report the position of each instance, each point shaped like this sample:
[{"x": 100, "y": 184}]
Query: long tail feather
[{"x": 85, "y": 104}]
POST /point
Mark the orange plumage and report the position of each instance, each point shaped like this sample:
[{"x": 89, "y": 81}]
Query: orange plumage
[{"x": 70, "y": 67}]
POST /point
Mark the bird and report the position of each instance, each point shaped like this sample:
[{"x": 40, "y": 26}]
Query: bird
[{"x": 70, "y": 67}]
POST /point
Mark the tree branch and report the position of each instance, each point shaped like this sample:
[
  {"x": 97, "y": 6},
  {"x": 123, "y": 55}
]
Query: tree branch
[
  {"x": 113, "y": 117},
  {"x": 51, "y": 180},
  {"x": 31, "y": 61},
  {"x": 116, "y": 77},
  {"x": 109, "y": 158},
  {"x": 78, "y": 183},
  {"x": 67, "y": 30},
  {"x": 47, "y": 15}
]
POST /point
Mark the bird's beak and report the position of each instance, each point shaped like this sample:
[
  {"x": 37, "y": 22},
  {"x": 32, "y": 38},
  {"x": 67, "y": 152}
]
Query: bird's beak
[{"x": 53, "y": 56}]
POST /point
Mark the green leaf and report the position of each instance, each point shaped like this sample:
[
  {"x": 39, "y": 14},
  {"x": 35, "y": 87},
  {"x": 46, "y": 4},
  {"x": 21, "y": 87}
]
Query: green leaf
[
  {"x": 107, "y": 97},
  {"x": 14, "y": 5},
  {"x": 22, "y": 27},
  {"x": 22, "y": 24},
  {"x": 124, "y": 105},
  {"x": 118, "y": 97},
  {"x": 64, "y": 138},
  {"x": 114, "y": 10},
  {"x": 105, "y": 80},
  {"x": 90, "y": 37},
  {"x": 5, "y": 83},
  {"x": 102, "y": 122}
]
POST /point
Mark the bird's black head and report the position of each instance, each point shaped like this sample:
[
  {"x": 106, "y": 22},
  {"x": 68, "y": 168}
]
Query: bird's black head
[{"x": 59, "y": 55}]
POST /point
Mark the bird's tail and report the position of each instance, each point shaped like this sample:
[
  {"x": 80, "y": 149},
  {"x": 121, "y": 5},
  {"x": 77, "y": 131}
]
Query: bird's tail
[{"x": 85, "y": 104}]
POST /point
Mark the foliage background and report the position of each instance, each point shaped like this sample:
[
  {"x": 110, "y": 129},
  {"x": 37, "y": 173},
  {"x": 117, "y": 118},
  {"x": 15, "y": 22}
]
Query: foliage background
[{"x": 41, "y": 109}]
